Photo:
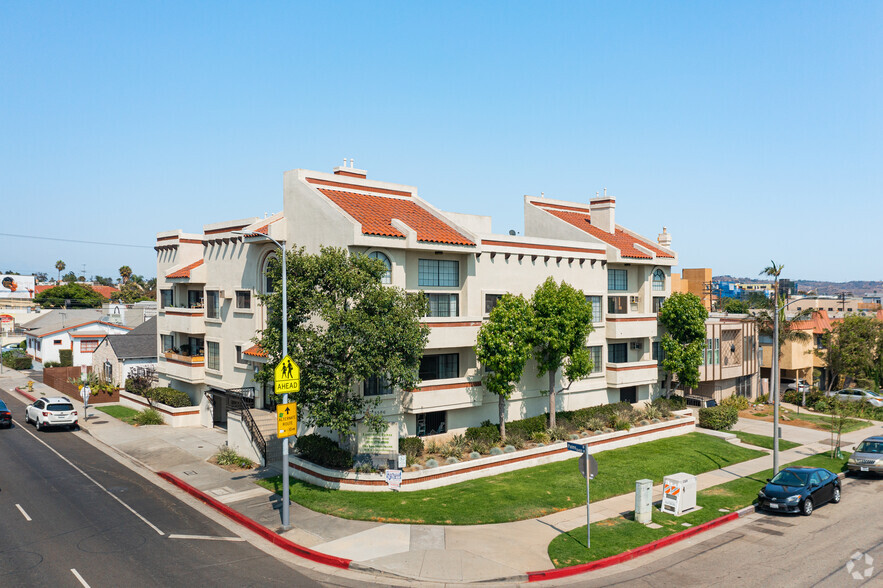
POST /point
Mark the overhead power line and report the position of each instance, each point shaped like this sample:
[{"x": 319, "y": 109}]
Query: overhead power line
[{"x": 76, "y": 241}]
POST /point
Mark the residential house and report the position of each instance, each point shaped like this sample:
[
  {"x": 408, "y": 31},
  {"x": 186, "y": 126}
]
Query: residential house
[
  {"x": 79, "y": 330},
  {"x": 117, "y": 355},
  {"x": 731, "y": 363}
]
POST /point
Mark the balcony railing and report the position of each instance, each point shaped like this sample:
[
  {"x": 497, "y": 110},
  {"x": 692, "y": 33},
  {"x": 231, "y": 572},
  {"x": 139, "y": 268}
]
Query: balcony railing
[{"x": 186, "y": 359}]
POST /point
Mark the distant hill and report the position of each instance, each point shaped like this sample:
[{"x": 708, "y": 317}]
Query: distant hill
[{"x": 856, "y": 287}]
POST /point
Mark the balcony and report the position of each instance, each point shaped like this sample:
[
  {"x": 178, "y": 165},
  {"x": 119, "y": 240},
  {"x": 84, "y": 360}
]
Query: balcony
[
  {"x": 187, "y": 368},
  {"x": 631, "y": 326},
  {"x": 445, "y": 394},
  {"x": 452, "y": 332},
  {"x": 183, "y": 320},
  {"x": 633, "y": 373}
]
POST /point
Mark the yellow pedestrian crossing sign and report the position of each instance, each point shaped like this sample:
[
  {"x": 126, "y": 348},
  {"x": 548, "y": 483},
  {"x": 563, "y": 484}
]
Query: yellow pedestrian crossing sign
[
  {"x": 286, "y": 376},
  {"x": 286, "y": 419}
]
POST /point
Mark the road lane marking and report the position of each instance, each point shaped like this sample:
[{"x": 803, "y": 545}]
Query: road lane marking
[
  {"x": 22, "y": 511},
  {"x": 205, "y": 537},
  {"x": 79, "y": 577},
  {"x": 91, "y": 479}
]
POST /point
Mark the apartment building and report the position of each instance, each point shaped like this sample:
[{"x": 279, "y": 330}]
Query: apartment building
[
  {"x": 731, "y": 362},
  {"x": 209, "y": 314}
]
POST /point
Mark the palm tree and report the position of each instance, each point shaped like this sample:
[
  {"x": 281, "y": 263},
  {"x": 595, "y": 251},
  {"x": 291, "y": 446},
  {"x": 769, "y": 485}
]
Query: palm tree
[
  {"x": 125, "y": 273},
  {"x": 60, "y": 265}
]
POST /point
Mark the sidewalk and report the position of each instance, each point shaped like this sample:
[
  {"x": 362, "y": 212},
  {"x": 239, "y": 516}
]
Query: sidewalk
[{"x": 476, "y": 553}]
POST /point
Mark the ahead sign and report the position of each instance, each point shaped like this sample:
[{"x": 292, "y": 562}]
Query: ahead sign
[{"x": 286, "y": 377}]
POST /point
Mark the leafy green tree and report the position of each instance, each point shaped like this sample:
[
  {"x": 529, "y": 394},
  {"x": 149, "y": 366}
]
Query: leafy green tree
[
  {"x": 103, "y": 280},
  {"x": 125, "y": 273},
  {"x": 60, "y": 265},
  {"x": 70, "y": 277},
  {"x": 80, "y": 297},
  {"x": 344, "y": 327},
  {"x": 562, "y": 322},
  {"x": 41, "y": 276},
  {"x": 854, "y": 347},
  {"x": 683, "y": 342},
  {"x": 130, "y": 293},
  {"x": 735, "y": 306},
  {"x": 503, "y": 349},
  {"x": 757, "y": 300}
]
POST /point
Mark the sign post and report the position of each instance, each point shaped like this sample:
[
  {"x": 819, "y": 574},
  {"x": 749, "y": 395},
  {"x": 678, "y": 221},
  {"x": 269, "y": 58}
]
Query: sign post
[
  {"x": 86, "y": 392},
  {"x": 588, "y": 467},
  {"x": 286, "y": 378}
]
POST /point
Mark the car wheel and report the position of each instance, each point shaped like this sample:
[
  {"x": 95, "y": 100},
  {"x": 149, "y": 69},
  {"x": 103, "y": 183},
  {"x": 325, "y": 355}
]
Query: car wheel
[
  {"x": 807, "y": 507},
  {"x": 27, "y": 418},
  {"x": 836, "y": 497}
]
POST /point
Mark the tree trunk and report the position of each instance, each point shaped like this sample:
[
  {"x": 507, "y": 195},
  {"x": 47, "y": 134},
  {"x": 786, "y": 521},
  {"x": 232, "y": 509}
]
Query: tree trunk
[
  {"x": 551, "y": 399},
  {"x": 502, "y": 406},
  {"x": 668, "y": 386}
]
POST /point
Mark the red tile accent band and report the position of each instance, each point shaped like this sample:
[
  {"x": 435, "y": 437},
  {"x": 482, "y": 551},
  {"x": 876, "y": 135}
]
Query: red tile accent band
[
  {"x": 178, "y": 313},
  {"x": 356, "y": 187},
  {"x": 632, "y": 367},
  {"x": 540, "y": 246}
]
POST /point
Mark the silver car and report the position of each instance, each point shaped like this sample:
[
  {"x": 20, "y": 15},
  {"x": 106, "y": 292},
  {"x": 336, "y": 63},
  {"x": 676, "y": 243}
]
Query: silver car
[
  {"x": 857, "y": 395},
  {"x": 868, "y": 456}
]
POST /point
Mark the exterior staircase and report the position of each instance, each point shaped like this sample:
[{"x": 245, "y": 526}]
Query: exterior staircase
[{"x": 266, "y": 422}]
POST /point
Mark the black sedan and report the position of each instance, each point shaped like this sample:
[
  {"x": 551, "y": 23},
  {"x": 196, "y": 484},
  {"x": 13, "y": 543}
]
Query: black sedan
[
  {"x": 799, "y": 489},
  {"x": 5, "y": 416}
]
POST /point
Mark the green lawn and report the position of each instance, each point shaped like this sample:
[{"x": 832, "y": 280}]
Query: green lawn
[
  {"x": 613, "y": 536},
  {"x": 527, "y": 493},
  {"x": 824, "y": 420},
  {"x": 122, "y": 413},
  {"x": 765, "y": 441}
]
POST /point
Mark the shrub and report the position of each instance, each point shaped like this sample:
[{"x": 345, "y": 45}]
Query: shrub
[
  {"x": 17, "y": 360},
  {"x": 433, "y": 447},
  {"x": 452, "y": 460},
  {"x": 527, "y": 427},
  {"x": 474, "y": 455},
  {"x": 149, "y": 416},
  {"x": 486, "y": 435},
  {"x": 480, "y": 446},
  {"x": 66, "y": 356},
  {"x": 737, "y": 402},
  {"x": 169, "y": 397},
  {"x": 509, "y": 449},
  {"x": 228, "y": 457},
  {"x": 496, "y": 451},
  {"x": 323, "y": 451},
  {"x": 573, "y": 437},
  {"x": 763, "y": 399},
  {"x": 596, "y": 424},
  {"x": 431, "y": 463},
  {"x": 718, "y": 418},
  {"x": 621, "y": 422},
  {"x": 411, "y": 446},
  {"x": 558, "y": 433},
  {"x": 540, "y": 437},
  {"x": 51, "y": 364}
]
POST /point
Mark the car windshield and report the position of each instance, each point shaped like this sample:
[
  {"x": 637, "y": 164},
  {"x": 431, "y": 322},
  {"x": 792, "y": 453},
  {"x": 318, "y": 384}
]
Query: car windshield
[
  {"x": 2, "y": 406},
  {"x": 60, "y": 407},
  {"x": 789, "y": 478},
  {"x": 870, "y": 447}
]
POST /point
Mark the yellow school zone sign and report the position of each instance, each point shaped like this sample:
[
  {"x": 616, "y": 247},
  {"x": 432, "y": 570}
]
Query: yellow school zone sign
[
  {"x": 286, "y": 376},
  {"x": 286, "y": 419}
]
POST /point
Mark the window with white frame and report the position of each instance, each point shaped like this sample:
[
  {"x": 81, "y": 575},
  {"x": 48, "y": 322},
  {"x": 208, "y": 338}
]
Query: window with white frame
[
  {"x": 243, "y": 299},
  {"x": 597, "y": 311},
  {"x": 658, "y": 280},
  {"x": 212, "y": 304},
  {"x": 617, "y": 305},
  {"x": 88, "y": 345},
  {"x": 617, "y": 280},
  {"x": 595, "y": 354},
  {"x": 712, "y": 351},
  {"x": 386, "y": 278},
  {"x": 213, "y": 355},
  {"x": 438, "y": 272},
  {"x": 166, "y": 298}
]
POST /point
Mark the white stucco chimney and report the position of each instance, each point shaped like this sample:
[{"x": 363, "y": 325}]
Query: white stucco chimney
[
  {"x": 602, "y": 211},
  {"x": 350, "y": 171},
  {"x": 664, "y": 238}
]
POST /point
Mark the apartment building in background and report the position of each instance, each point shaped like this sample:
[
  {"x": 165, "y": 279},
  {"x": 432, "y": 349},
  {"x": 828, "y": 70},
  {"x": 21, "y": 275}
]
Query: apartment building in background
[{"x": 209, "y": 314}]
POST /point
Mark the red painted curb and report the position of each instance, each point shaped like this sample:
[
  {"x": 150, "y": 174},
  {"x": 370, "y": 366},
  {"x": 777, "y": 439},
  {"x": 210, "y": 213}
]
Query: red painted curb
[
  {"x": 25, "y": 394},
  {"x": 631, "y": 553},
  {"x": 304, "y": 552}
]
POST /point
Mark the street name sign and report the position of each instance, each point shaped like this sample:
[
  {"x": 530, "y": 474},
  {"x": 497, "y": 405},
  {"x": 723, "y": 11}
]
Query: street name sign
[
  {"x": 286, "y": 377},
  {"x": 286, "y": 419},
  {"x": 578, "y": 447}
]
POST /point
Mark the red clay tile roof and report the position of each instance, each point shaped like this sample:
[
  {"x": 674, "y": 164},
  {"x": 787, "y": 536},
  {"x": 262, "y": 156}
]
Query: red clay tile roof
[
  {"x": 255, "y": 351},
  {"x": 579, "y": 217},
  {"x": 184, "y": 272},
  {"x": 819, "y": 323},
  {"x": 375, "y": 213}
]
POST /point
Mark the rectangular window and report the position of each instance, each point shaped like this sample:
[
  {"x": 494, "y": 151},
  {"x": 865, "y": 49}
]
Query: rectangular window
[
  {"x": 212, "y": 304},
  {"x": 657, "y": 303},
  {"x": 377, "y": 386},
  {"x": 194, "y": 299},
  {"x": 654, "y": 354},
  {"x": 438, "y": 272},
  {"x": 168, "y": 341},
  {"x": 617, "y": 353},
  {"x": 712, "y": 351},
  {"x": 617, "y": 305},
  {"x": 239, "y": 358},
  {"x": 213, "y": 355},
  {"x": 57, "y": 341},
  {"x": 629, "y": 394},
  {"x": 243, "y": 299},
  {"x": 440, "y": 367},
  {"x": 490, "y": 302},
  {"x": 443, "y": 304},
  {"x": 165, "y": 298},
  {"x": 88, "y": 346},
  {"x": 595, "y": 352},
  {"x": 617, "y": 280},
  {"x": 597, "y": 314},
  {"x": 108, "y": 371},
  {"x": 431, "y": 423}
]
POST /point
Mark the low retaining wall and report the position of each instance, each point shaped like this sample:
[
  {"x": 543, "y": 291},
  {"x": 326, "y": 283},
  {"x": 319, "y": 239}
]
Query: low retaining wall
[
  {"x": 186, "y": 416},
  {"x": 492, "y": 465}
]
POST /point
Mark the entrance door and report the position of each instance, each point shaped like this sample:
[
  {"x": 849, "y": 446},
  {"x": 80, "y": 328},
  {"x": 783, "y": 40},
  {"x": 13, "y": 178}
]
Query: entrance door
[{"x": 219, "y": 408}]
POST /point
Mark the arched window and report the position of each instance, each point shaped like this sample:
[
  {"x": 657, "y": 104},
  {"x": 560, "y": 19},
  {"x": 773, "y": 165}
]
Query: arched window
[
  {"x": 386, "y": 278},
  {"x": 658, "y": 280},
  {"x": 265, "y": 281}
]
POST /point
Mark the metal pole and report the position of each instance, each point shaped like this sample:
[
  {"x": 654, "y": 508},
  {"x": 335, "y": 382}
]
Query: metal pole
[
  {"x": 775, "y": 384},
  {"x": 588, "y": 520},
  {"x": 285, "y": 483}
]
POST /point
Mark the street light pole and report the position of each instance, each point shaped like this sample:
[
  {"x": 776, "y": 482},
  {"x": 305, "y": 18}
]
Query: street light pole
[{"x": 286, "y": 490}]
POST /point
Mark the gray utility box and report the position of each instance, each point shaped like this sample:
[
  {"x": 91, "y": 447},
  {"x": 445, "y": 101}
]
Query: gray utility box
[{"x": 678, "y": 493}]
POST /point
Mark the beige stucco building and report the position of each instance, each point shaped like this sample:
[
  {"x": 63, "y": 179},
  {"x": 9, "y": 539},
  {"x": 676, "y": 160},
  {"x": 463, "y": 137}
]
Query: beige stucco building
[{"x": 209, "y": 313}]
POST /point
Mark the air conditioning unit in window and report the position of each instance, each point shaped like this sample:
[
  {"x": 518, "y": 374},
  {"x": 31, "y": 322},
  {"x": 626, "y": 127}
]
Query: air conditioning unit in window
[
  {"x": 633, "y": 299},
  {"x": 637, "y": 345}
]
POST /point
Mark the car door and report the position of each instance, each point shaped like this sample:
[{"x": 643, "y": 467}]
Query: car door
[
  {"x": 33, "y": 409},
  {"x": 819, "y": 491}
]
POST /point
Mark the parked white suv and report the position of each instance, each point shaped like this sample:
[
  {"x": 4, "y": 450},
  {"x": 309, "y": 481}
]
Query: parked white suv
[{"x": 51, "y": 412}]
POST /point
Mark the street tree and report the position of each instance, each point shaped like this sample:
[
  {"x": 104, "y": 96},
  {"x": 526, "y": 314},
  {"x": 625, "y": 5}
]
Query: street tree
[
  {"x": 70, "y": 277},
  {"x": 736, "y": 306},
  {"x": 503, "y": 349},
  {"x": 103, "y": 281},
  {"x": 60, "y": 265},
  {"x": 854, "y": 348},
  {"x": 79, "y": 296},
  {"x": 344, "y": 328},
  {"x": 683, "y": 342},
  {"x": 562, "y": 322},
  {"x": 130, "y": 293},
  {"x": 125, "y": 273}
]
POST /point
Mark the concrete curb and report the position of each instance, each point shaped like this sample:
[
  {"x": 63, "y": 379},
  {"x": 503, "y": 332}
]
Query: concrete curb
[{"x": 290, "y": 546}]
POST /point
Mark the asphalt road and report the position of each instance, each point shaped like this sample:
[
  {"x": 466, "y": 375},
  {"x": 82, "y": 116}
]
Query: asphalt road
[
  {"x": 72, "y": 516},
  {"x": 772, "y": 550}
]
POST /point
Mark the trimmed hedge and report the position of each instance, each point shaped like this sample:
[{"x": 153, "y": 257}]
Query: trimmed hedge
[
  {"x": 411, "y": 446},
  {"x": 170, "y": 397},
  {"x": 323, "y": 451},
  {"x": 17, "y": 360},
  {"x": 486, "y": 434},
  {"x": 718, "y": 418},
  {"x": 66, "y": 356}
]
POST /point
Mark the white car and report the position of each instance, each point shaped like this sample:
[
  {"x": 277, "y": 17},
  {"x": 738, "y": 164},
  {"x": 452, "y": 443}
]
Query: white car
[
  {"x": 857, "y": 395},
  {"x": 51, "y": 412}
]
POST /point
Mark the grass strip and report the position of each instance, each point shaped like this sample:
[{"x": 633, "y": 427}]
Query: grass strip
[
  {"x": 527, "y": 493},
  {"x": 765, "y": 441},
  {"x": 123, "y": 413},
  {"x": 616, "y": 535}
]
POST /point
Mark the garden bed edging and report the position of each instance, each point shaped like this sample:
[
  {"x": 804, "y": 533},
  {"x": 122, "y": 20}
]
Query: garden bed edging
[{"x": 185, "y": 416}]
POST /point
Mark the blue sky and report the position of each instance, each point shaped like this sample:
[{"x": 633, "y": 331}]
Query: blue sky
[{"x": 752, "y": 130}]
